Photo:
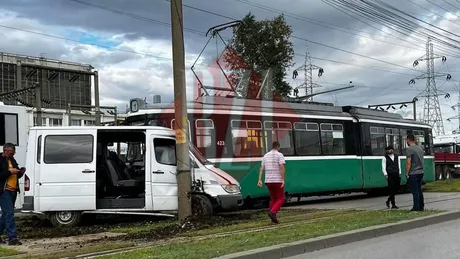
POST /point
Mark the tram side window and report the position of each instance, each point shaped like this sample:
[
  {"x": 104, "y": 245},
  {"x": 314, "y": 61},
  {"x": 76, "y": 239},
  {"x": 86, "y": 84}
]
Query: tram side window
[
  {"x": 393, "y": 139},
  {"x": 430, "y": 143},
  {"x": 205, "y": 136},
  {"x": 281, "y": 132},
  {"x": 378, "y": 140},
  {"x": 247, "y": 138},
  {"x": 204, "y": 133},
  {"x": 404, "y": 133},
  {"x": 307, "y": 138},
  {"x": 9, "y": 129},
  {"x": 419, "y": 138},
  {"x": 161, "y": 123},
  {"x": 332, "y": 140}
]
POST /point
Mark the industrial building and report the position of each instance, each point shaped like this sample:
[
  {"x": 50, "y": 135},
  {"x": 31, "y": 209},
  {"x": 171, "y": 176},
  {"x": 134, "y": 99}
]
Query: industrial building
[{"x": 61, "y": 83}]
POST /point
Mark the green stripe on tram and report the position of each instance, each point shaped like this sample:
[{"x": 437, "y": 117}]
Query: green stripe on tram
[{"x": 320, "y": 175}]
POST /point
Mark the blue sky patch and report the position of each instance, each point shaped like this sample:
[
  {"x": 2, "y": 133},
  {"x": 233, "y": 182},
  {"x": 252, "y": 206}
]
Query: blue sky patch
[{"x": 91, "y": 38}]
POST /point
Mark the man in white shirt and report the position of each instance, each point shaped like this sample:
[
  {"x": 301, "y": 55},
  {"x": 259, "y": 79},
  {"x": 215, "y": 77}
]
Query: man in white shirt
[
  {"x": 391, "y": 171},
  {"x": 273, "y": 162}
]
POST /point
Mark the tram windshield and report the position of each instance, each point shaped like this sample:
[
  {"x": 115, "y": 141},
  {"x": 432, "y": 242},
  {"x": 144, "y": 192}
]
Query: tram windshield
[{"x": 444, "y": 148}]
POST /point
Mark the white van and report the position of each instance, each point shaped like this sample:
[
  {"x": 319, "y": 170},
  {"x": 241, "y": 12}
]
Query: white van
[{"x": 72, "y": 171}]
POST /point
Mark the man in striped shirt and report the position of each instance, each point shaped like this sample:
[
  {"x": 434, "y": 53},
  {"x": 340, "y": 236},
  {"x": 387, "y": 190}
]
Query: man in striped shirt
[{"x": 273, "y": 162}]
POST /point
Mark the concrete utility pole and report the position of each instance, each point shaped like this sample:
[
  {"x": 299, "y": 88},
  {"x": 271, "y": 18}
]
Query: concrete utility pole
[
  {"x": 184, "y": 181},
  {"x": 96, "y": 99},
  {"x": 38, "y": 103}
]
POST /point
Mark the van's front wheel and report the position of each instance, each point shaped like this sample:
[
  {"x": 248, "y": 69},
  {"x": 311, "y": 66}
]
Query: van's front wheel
[
  {"x": 201, "y": 206},
  {"x": 65, "y": 218}
]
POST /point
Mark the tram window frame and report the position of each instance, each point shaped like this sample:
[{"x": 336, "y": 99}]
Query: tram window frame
[
  {"x": 404, "y": 133},
  {"x": 306, "y": 131},
  {"x": 189, "y": 131},
  {"x": 380, "y": 131},
  {"x": 430, "y": 142},
  {"x": 9, "y": 133},
  {"x": 204, "y": 132},
  {"x": 245, "y": 130},
  {"x": 393, "y": 132},
  {"x": 270, "y": 131},
  {"x": 334, "y": 149},
  {"x": 419, "y": 137}
]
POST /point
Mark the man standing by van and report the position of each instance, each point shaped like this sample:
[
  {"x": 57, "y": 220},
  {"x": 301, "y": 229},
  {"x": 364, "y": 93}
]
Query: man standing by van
[
  {"x": 273, "y": 162},
  {"x": 9, "y": 176},
  {"x": 414, "y": 172},
  {"x": 390, "y": 169}
]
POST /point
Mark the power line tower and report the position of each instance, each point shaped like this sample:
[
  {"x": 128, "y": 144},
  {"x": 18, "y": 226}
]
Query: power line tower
[
  {"x": 431, "y": 110},
  {"x": 308, "y": 68},
  {"x": 457, "y": 117}
]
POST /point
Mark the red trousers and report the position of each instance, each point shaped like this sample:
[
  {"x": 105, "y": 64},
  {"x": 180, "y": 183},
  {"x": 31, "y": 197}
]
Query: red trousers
[{"x": 276, "y": 196}]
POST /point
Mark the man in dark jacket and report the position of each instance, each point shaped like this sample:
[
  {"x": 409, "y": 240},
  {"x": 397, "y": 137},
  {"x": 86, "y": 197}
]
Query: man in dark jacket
[
  {"x": 390, "y": 168},
  {"x": 9, "y": 187}
]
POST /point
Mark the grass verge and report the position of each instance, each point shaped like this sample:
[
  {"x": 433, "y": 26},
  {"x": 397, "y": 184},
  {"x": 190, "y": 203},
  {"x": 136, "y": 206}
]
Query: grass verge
[
  {"x": 8, "y": 252},
  {"x": 219, "y": 224},
  {"x": 451, "y": 185},
  {"x": 84, "y": 250},
  {"x": 213, "y": 247}
]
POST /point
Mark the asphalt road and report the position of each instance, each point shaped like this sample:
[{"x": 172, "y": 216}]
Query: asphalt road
[
  {"x": 437, "y": 201},
  {"x": 432, "y": 242}
]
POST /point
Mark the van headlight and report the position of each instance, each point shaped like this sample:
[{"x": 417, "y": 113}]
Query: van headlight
[{"x": 231, "y": 188}]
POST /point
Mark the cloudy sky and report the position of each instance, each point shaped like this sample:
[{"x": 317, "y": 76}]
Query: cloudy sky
[{"x": 129, "y": 43}]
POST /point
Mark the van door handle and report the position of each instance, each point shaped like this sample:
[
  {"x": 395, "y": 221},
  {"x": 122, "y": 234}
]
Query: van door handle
[
  {"x": 87, "y": 171},
  {"x": 158, "y": 172}
]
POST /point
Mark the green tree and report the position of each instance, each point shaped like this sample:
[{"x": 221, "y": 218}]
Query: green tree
[{"x": 258, "y": 47}]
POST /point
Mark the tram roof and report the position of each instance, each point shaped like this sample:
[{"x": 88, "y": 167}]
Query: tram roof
[
  {"x": 244, "y": 105},
  {"x": 366, "y": 114},
  {"x": 312, "y": 108}
]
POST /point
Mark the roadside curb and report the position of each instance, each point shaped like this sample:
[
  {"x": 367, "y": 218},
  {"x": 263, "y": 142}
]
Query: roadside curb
[{"x": 319, "y": 243}]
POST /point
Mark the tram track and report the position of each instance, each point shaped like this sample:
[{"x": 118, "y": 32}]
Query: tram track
[
  {"x": 142, "y": 243},
  {"x": 287, "y": 221},
  {"x": 183, "y": 239}
]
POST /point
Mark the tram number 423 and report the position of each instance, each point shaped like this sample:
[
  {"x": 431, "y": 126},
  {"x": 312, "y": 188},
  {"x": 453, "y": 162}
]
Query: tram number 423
[{"x": 221, "y": 143}]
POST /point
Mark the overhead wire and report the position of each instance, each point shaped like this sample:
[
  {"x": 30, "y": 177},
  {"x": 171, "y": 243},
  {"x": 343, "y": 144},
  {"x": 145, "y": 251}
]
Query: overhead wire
[
  {"x": 391, "y": 17},
  {"x": 202, "y": 33},
  {"x": 224, "y": 16},
  {"x": 358, "y": 33},
  {"x": 384, "y": 16},
  {"x": 456, "y": 7},
  {"x": 135, "y": 16},
  {"x": 431, "y": 11},
  {"x": 442, "y": 8},
  {"x": 317, "y": 22}
]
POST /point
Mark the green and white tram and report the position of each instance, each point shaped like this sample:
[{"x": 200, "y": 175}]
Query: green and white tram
[{"x": 328, "y": 149}]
